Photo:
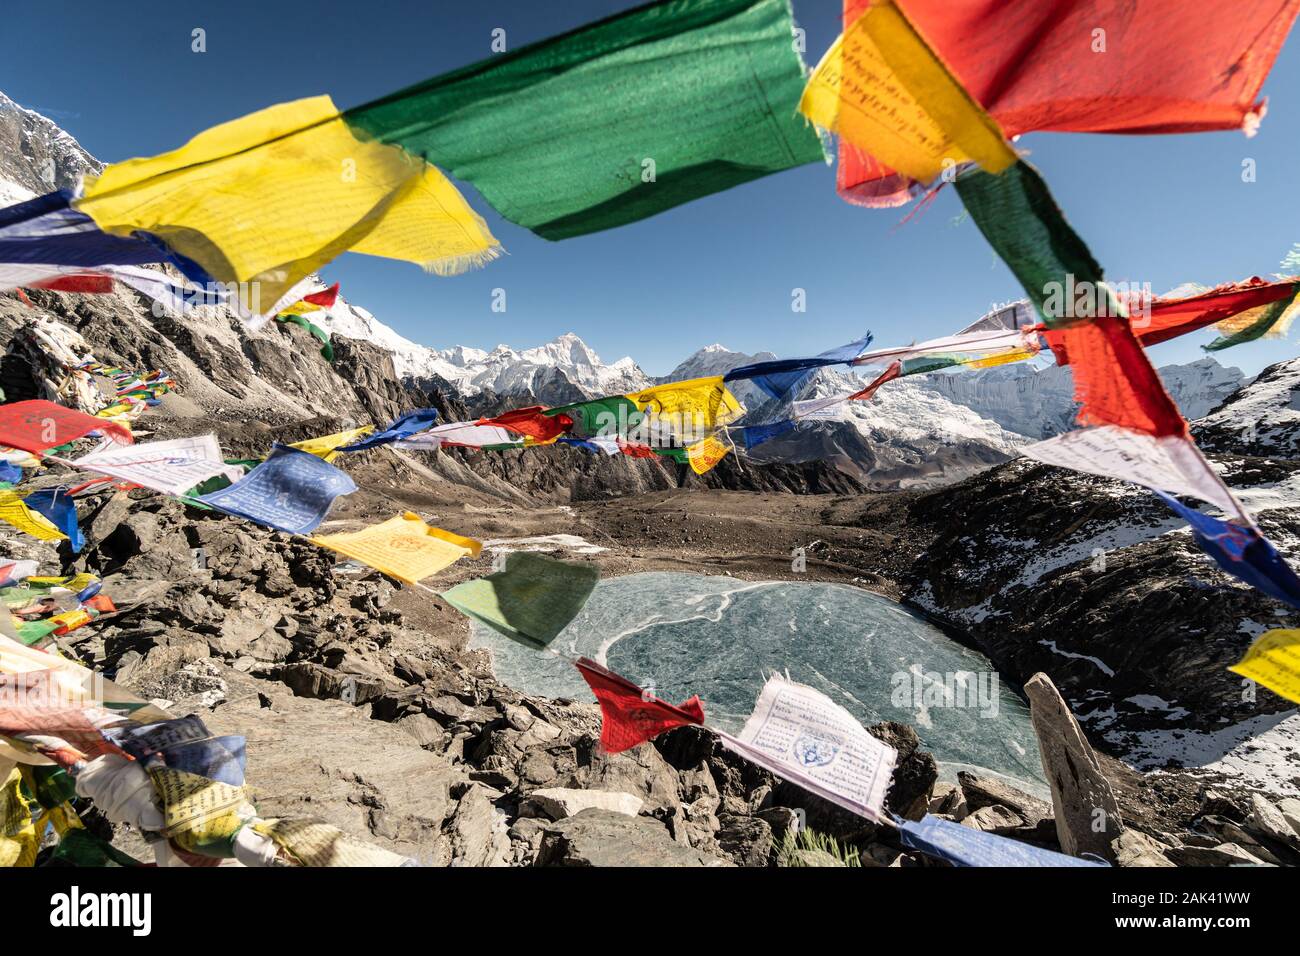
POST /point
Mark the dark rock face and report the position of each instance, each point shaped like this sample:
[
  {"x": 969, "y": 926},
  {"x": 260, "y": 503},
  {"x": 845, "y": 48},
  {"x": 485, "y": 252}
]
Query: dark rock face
[{"x": 1095, "y": 583}]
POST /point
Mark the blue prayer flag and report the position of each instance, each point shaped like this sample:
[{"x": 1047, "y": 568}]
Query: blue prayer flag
[
  {"x": 56, "y": 505},
  {"x": 404, "y": 427},
  {"x": 966, "y": 846},
  {"x": 753, "y": 435},
  {"x": 290, "y": 491},
  {"x": 1242, "y": 552},
  {"x": 779, "y": 377}
]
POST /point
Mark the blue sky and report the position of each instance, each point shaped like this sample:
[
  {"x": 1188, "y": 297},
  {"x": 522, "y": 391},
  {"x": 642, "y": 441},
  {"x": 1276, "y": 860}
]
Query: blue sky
[{"x": 1160, "y": 209}]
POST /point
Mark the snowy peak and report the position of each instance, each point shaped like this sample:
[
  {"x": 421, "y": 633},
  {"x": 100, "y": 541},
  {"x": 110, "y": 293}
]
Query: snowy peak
[{"x": 36, "y": 155}]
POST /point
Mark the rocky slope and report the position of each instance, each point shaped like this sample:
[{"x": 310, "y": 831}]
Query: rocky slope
[{"x": 36, "y": 156}]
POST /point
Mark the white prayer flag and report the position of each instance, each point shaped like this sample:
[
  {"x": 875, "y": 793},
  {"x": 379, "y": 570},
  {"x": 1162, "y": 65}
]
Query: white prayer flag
[
  {"x": 802, "y": 735},
  {"x": 172, "y": 467},
  {"x": 1171, "y": 463}
]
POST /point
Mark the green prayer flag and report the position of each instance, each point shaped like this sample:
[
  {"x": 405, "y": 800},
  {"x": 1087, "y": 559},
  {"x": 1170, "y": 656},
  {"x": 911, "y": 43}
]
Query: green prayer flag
[
  {"x": 617, "y": 120},
  {"x": 1271, "y": 315},
  {"x": 1027, "y": 229},
  {"x": 594, "y": 418},
  {"x": 327, "y": 350},
  {"x": 82, "y": 848},
  {"x": 531, "y": 601}
]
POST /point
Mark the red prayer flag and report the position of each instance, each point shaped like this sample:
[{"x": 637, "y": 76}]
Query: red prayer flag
[
  {"x": 634, "y": 449},
  {"x": 325, "y": 298},
  {"x": 531, "y": 422},
  {"x": 1170, "y": 318},
  {"x": 90, "y": 282},
  {"x": 1114, "y": 381},
  {"x": 888, "y": 375},
  {"x": 37, "y": 425},
  {"x": 1093, "y": 66},
  {"x": 630, "y": 715}
]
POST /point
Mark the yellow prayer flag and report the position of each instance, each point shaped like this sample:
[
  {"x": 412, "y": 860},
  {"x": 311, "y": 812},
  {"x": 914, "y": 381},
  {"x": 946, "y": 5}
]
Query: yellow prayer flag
[
  {"x": 705, "y": 454},
  {"x": 1274, "y": 661},
  {"x": 1001, "y": 358},
  {"x": 702, "y": 403},
  {"x": 19, "y": 841},
  {"x": 15, "y": 511},
  {"x": 324, "y": 446},
  {"x": 273, "y": 196},
  {"x": 403, "y": 547},
  {"x": 883, "y": 89},
  {"x": 72, "y": 582}
]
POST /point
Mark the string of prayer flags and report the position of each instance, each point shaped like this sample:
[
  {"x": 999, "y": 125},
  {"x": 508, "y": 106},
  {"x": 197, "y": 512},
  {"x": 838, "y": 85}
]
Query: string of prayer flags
[
  {"x": 1273, "y": 660},
  {"x": 405, "y": 426},
  {"x": 1240, "y": 550},
  {"x": 531, "y": 422},
  {"x": 14, "y": 511},
  {"x": 56, "y": 506},
  {"x": 883, "y": 89},
  {"x": 19, "y": 841},
  {"x": 1114, "y": 381},
  {"x": 403, "y": 547},
  {"x": 778, "y": 378},
  {"x": 38, "y": 425},
  {"x": 617, "y": 120},
  {"x": 327, "y": 446},
  {"x": 266, "y": 198},
  {"x": 291, "y": 491},
  {"x": 531, "y": 601},
  {"x": 803, "y": 736},
  {"x": 967, "y": 846},
  {"x": 1036, "y": 68},
  {"x": 629, "y": 715},
  {"x": 172, "y": 467}
]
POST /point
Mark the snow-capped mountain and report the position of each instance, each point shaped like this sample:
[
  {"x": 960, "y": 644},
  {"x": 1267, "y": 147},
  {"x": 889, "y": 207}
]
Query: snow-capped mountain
[
  {"x": 1261, "y": 418},
  {"x": 719, "y": 360},
  {"x": 504, "y": 371},
  {"x": 36, "y": 155},
  {"x": 1038, "y": 401}
]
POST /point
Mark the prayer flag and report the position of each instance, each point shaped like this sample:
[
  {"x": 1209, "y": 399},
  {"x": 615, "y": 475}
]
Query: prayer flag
[
  {"x": 403, "y": 547},
  {"x": 14, "y": 511},
  {"x": 403, "y": 427},
  {"x": 699, "y": 403},
  {"x": 617, "y": 120},
  {"x": 802, "y": 735},
  {"x": 753, "y": 435},
  {"x": 1169, "y": 463},
  {"x": 1242, "y": 551},
  {"x": 531, "y": 601},
  {"x": 705, "y": 454},
  {"x": 883, "y": 89},
  {"x": 38, "y": 425},
  {"x": 780, "y": 377},
  {"x": 56, "y": 505},
  {"x": 327, "y": 446},
  {"x": 273, "y": 196},
  {"x": 1036, "y": 66},
  {"x": 532, "y": 422},
  {"x": 291, "y": 491},
  {"x": 966, "y": 846},
  {"x": 1274, "y": 661},
  {"x": 468, "y": 434},
  {"x": 172, "y": 467},
  {"x": 629, "y": 715}
]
